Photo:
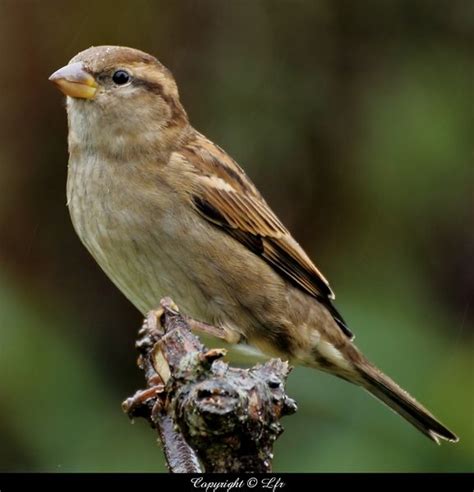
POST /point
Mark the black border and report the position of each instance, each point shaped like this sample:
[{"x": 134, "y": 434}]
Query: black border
[{"x": 10, "y": 482}]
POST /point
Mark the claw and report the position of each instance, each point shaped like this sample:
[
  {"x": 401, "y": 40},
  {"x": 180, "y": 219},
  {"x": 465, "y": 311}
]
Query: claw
[
  {"x": 140, "y": 398},
  {"x": 213, "y": 354},
  {"x": 168, "y": 304}
]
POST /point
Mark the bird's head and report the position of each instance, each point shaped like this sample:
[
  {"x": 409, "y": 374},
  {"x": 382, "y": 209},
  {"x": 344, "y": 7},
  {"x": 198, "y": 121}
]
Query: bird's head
[{"x": 119, "y": 91}]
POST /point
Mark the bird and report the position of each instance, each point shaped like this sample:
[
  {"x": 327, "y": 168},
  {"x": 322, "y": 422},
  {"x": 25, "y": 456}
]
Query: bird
[{"x": 166, "y": 212}]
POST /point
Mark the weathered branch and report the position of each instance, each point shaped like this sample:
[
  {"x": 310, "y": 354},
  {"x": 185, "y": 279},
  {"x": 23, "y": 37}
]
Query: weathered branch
[{"x": 204, "y": 410}]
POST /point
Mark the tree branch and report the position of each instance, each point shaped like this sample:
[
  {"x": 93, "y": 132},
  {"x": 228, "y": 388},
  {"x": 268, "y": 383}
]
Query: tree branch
[{"x": 204, "y": 410}]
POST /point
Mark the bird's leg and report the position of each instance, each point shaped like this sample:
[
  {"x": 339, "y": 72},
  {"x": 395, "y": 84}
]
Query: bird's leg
[{"x": 206, "y": 329}]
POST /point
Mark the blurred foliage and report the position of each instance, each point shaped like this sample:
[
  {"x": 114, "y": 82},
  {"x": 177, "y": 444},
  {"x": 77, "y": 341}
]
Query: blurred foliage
[{"x": 355, "y": 119}]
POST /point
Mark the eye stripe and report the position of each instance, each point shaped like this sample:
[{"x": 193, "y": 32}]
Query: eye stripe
[{"x": 154, "y": 87}]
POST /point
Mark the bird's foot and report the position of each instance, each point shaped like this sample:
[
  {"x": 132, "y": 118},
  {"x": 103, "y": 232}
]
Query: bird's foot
[{"x": 139, "y": 403}]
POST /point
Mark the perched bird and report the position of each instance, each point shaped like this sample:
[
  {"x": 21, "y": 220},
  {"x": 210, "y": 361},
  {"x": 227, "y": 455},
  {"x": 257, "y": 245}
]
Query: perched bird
[{"x": 166, "y": 212}]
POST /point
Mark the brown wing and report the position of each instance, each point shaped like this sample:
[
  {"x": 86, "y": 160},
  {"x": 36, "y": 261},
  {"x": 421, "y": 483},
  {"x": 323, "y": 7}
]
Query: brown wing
[{"x": 225, "y": 196}]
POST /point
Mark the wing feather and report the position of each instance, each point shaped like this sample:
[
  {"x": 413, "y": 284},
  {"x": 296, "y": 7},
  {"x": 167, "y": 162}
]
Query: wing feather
[{"x": 225, "y": 196}]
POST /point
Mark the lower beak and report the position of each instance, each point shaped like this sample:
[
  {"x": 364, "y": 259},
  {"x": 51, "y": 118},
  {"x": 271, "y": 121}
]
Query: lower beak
[{"x": 74, "y": 81}]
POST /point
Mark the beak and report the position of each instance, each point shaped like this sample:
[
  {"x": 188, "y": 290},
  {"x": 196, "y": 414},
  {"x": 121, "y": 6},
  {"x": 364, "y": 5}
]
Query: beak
[{"x": 74, "y": 81}]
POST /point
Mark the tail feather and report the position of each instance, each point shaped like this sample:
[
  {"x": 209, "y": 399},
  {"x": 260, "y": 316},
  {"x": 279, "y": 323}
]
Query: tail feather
[{"x": 386, "y": 390}]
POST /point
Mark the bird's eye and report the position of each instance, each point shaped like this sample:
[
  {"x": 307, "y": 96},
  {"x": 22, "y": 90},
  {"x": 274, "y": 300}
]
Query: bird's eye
[{"x": 121, "y": 77}]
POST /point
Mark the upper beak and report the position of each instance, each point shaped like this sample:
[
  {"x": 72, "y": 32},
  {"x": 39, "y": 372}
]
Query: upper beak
[{"x": 74, "y": 81}]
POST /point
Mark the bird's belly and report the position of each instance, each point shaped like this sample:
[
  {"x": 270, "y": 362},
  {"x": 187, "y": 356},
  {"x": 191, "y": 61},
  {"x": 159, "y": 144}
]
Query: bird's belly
[
  {"x": 147, "y": 267},
  {"x": 147, "y": 262}
]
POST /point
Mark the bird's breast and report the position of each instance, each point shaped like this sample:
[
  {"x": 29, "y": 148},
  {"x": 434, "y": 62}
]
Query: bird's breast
[{"x": 138, "y": 232}]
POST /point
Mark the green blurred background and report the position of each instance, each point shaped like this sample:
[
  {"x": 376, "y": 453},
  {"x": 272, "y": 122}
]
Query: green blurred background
[{"x": 355, "y": 119}]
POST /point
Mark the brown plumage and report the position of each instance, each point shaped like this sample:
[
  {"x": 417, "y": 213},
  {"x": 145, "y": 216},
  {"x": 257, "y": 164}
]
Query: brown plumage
[{"x": 164, "y": 211}]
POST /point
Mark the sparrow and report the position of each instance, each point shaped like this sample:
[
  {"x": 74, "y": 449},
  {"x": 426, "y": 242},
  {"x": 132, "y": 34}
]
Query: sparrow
[{"x": 166, "y": 212}]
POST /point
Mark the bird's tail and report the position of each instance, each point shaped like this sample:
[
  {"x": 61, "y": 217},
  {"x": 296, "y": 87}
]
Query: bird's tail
[{"x": 386, "y": 390}]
